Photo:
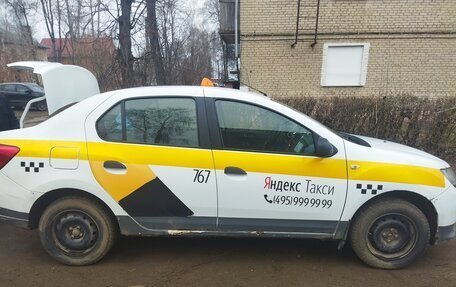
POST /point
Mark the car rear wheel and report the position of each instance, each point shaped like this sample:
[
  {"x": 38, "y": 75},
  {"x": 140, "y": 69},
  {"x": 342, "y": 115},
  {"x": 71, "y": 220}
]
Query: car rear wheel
[
  {"x": 77, "y": 231},
  {"x": 390, "y": 233}
]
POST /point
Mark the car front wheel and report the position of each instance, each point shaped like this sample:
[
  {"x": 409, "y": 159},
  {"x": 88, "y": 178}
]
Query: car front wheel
[
  {"x": 390, "y": 233},
  {"x": 77, "y": 231}
]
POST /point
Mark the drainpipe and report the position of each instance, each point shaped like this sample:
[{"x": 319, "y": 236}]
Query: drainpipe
[
  {"x": 236, "y": 35},
  {"x": 316, "y": 25},
  {"x": 297, "y": 25}
]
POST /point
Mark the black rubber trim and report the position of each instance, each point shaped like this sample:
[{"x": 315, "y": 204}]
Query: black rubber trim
[
  {"x": 16, "y": 218},
  {"x": 445, "y": 233},
  {"x": 123, "y": 118},
  {"x": 277, "y": 225},
  {"x": 189, "y": 223},
  {"x": 235, "y": 170},
  {"x": 233, "y": 226},
  {"x": 203, "y": 127},
  {"x": 342, "y": 230},
  {"x": 212, "y": 120}
]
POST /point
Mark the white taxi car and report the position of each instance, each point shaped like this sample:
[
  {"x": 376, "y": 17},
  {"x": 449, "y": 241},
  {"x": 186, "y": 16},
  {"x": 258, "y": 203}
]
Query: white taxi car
[{"x": 200, "y": 161}]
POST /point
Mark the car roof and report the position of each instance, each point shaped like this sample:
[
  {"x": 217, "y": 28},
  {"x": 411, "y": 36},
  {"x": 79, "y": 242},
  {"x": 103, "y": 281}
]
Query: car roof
[
  {"x": 196, "y": 91},
  {"x": 159, "y": 91}
]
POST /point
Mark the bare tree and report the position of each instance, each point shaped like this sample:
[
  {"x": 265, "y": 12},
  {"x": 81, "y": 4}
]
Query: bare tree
[
  {"x": 14, "y": 46},
  {"x": 153, "y": 39},
  {"x": 125, "y": 54},
  {"x": 48, "y": 8},
  {"x": 218, "y": 51},
  {"x": 174, "y": 51},
  {"x": 197, "y": 61},
  {"x": 22, "y": 9}
]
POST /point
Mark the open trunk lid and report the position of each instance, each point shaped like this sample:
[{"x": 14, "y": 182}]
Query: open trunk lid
[{"x": 63, "y": 84}]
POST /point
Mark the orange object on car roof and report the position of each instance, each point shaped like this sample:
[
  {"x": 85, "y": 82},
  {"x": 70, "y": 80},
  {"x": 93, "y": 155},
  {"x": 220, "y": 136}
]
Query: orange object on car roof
[{"x": 207, "y": 83}]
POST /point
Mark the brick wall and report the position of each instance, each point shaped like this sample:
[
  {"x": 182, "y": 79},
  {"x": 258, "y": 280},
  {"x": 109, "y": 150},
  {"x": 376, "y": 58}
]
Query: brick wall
[
  {"x": 355, "y": 16},
  {"x": 412, "y": 45}
]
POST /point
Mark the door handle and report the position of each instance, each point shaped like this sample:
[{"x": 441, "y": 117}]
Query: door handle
[
  {"x": 111, "y": 164},
  {"x": 234, "y": 170}
]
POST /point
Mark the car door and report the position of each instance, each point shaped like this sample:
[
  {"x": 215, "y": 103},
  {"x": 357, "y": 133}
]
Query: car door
[
  {"x": 11, "y": 94},
  {"x": 268, "y": 176},
  {"x": 153, "y": 156},
  {"x": 24, "y": 94}
]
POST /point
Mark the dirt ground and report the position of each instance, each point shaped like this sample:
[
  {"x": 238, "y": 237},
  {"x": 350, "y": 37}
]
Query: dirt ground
[{"x": 215, "y": 262}]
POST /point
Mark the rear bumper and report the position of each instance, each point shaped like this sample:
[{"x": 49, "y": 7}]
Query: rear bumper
[{"x": 19, "y": 219}]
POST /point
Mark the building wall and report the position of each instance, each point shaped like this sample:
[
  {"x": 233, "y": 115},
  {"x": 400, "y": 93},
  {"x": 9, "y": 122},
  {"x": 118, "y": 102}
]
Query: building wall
[
  {"x": 412, "y": 46},
  {"x": 41, "y": 54}
]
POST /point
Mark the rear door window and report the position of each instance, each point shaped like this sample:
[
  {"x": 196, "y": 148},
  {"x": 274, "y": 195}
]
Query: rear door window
[
  {"x": 155, "y": 121},
  {"x": 109, "y": 126}
]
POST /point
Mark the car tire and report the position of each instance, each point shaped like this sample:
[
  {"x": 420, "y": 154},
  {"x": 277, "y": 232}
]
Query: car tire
[
  {"x": 390, "y": 233},
  {"x": 77, "y": 231},
  {"x": 41, "y": 106}
]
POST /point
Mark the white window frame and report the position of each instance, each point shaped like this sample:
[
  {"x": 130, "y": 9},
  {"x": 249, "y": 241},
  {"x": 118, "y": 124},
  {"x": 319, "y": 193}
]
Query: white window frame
[{"x": 365, "y": 60}]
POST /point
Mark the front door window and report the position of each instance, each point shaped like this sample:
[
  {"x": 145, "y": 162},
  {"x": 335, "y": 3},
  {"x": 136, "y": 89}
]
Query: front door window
[{"x": 252, "y": 128}]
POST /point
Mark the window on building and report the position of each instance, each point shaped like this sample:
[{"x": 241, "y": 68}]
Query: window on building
[
  {"x": 344, "y": 64},
  {"x": 156, "y": 121},
  {"x": 252, "y": 128}
]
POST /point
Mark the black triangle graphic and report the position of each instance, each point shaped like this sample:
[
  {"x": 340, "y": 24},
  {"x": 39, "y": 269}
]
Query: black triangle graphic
[{"x": 154, "y": 199}]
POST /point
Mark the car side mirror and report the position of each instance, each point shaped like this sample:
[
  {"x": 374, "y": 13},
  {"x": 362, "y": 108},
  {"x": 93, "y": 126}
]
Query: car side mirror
[
  {"x": 29, "y": 92},
  {"x": 324, "y": 148}
]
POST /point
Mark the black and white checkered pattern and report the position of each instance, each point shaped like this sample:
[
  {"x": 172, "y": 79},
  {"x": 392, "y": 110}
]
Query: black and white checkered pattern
[
  {"x": 32, "y": 166},
  {"x": 369, "y": 188}
]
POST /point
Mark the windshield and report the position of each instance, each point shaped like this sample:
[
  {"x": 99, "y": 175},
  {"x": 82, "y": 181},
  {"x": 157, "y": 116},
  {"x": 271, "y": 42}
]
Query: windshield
[{"x": 353, "y": 139}]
